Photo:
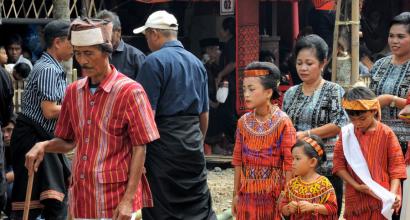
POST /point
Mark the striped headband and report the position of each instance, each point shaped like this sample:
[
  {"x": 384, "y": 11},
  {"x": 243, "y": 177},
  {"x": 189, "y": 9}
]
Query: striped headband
[
  {"x": 315, "y": 145},
  {"x": 255, "y": 73}
]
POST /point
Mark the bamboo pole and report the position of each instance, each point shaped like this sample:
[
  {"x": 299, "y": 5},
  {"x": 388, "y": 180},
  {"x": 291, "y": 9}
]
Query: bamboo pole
[
  {"x": 28, "y": 196},
  {"x": 336, "y": 40},
  {"x": 355, "y": 41}
]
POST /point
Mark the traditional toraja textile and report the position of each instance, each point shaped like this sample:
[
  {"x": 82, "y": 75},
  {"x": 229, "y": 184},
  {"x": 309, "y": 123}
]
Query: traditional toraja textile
[
  {"x": 106, "y": 126},
  {"x": 321, "y": 108},
  {"x": 319, "y": 191},
  {"x": 356, "y": 161},
  {"x": 384, "y": 158},
  {"x": 86, "y": 32},
  {"x": 363, "y": 105},
  {"x": 262, "y": 149},
  {"x": 387, "y": 78},
  {"x": 255, "y": 73},
  {"x": 52, "y": 177}
]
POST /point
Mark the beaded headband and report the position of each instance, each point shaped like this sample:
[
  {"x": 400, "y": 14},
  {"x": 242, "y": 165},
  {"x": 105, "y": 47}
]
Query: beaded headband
[
  {"x": 315, "y": 145},
  {"x": 255, "y": 73}
]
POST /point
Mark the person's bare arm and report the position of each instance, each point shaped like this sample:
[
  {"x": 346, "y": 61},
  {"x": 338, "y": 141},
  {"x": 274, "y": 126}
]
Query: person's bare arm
[
  {"x": 124, "y": 209},
  {"x": 325, "y": 131},
  {"x": 386, "y": 100},
  {"x": 228, "y": 69},
  {"x": 203, "y": 123},
  {"x": 36, "y": 155},
  {"x": 50, "y": 109},
  {"x": 236, "y": 188}
]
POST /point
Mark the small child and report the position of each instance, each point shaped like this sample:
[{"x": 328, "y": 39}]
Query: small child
[
  {"x": 21, "y": 71},
  {"x": 309, "y": 195},
  {"x": 262, "y": 155},
  {"x": 368, "y": 157}
]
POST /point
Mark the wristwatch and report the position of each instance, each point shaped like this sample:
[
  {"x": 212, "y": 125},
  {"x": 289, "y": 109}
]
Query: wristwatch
[{"x": 393, "y": 102}]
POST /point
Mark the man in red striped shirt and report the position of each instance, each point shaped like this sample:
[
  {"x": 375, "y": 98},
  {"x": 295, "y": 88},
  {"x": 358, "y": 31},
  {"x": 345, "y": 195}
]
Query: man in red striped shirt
[{"x": 109, "y": 120}]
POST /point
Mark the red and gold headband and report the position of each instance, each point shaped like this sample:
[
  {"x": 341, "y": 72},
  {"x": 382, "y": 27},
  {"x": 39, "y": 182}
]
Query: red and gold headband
[
  {"x": 255, "y": 73},
  {"x": 362, "y": 105},
  {"x": 314, "y": 144}
]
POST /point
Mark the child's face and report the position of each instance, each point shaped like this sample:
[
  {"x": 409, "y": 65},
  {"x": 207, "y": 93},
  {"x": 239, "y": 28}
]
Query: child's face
[
  {"x": 363, "y": 121},
  {"x": 301, "y": 163},
  {"x": 16, "y": 75},
  {"x": 254, "y": 93},
  {"x": 3, "y": 56}
]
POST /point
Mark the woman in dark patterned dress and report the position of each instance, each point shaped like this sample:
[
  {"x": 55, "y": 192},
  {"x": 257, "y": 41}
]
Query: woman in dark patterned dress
[
  {"x": 315, "y": 105},
  {"x": 390, "y": 77}
]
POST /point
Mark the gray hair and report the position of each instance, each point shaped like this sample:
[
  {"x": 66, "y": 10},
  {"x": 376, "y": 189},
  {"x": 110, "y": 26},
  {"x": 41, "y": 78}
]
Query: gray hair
[
  {"x": 167, "y": 33},
  {"x": 110, "y": 16}
]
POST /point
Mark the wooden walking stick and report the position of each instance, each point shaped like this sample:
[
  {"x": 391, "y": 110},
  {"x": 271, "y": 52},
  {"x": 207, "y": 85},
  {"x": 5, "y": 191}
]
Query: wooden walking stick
[{"x": 28, "y": 196}]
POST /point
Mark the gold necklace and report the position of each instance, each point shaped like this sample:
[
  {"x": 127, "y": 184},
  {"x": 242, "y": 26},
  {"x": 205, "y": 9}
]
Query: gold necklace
[{"x": 271, "y": 112}]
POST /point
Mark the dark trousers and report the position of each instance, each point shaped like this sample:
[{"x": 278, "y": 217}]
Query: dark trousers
[
  {"x": 54, "y": 210},
  {"x": 337, "y": 183},
  {"x": 228, "y": 114}
]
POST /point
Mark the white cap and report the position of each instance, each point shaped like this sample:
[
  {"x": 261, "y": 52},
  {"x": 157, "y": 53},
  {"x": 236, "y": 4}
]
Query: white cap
[{"x": 159, "y": 20}]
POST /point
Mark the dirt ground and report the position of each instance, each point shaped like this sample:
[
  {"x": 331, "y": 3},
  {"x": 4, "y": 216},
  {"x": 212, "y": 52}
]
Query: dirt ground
[{"x": 220, "y": 182}]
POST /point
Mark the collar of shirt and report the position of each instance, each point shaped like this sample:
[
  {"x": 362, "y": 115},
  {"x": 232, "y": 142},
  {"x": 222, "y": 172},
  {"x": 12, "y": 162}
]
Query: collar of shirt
[
  {"x": 120, "y": 47},
  {"x": 105, "y": 85},
  {"x": 173, "y": 43},
  {"x": 51, "y": 59}
]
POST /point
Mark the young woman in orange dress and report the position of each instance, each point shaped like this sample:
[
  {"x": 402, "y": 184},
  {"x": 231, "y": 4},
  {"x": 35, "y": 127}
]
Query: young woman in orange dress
[
  {"x": 262, "y": 154},
  {"x": 309, "y": 195}
]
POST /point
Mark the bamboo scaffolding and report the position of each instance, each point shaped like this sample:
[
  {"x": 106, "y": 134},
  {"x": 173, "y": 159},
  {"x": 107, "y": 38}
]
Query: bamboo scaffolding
[
  {"x": 354, "y": 22},
  {"x": 355, "y": 41}
]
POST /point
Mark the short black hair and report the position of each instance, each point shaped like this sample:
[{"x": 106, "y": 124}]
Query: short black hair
[
  {"x": 55, "y": 29},
  {"x": 270, "y": 81},
  {"x": 110, "y": 16},
  {"x": 23, "y": 69},
  {"x": 358, "y": 93},
  {"x": 229, "y": 24},
  {"x": 14, "y": 39},
  {"x": 315, "y": 42},
  {"x": 310, "y": 151},
  {"x": 403, "y": 19}
]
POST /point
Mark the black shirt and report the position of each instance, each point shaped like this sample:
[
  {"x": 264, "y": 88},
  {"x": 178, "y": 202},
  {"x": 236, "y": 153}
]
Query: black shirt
[
  {"x": 6, "y": 97},
  {"x": 127, "y": 59}
]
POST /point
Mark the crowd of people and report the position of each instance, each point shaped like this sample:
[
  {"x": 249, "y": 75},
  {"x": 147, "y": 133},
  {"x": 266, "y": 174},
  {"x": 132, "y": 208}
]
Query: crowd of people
[{"x": 138, "y": 125}]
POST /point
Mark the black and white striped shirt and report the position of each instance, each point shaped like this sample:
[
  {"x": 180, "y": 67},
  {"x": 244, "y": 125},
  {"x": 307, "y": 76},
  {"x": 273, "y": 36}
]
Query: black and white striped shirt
[{"x": 46, "y": 82}]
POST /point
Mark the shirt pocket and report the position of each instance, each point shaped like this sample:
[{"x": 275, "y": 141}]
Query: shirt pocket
[{"x": 112, "y": 176}]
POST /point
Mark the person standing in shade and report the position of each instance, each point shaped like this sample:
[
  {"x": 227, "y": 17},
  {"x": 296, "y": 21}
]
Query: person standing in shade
[
  {"x": 176, "y": 84},
  {"x": 228, "y": 61},
  {"x": 14, "y": 48},
  {"x": 107, "y": 118},
  {"x": 126, "y": 58},
  {"x": 6, "y": 120},
  {"x": 41, "y": 106}
]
